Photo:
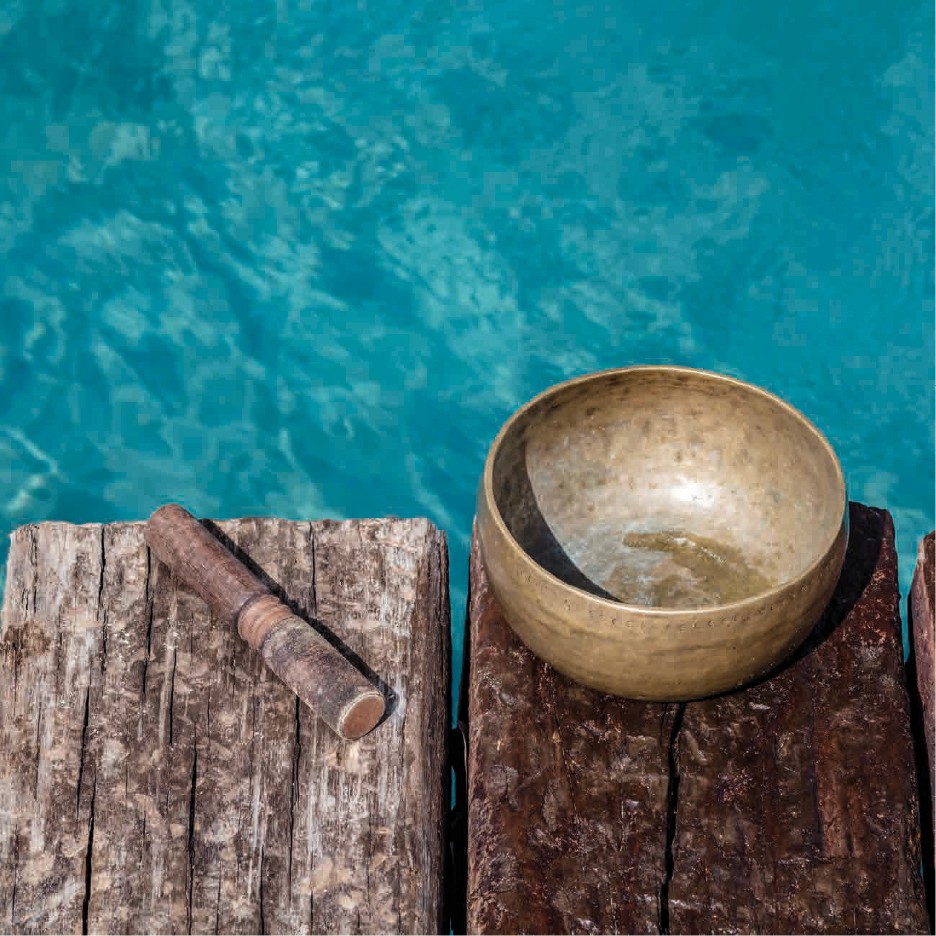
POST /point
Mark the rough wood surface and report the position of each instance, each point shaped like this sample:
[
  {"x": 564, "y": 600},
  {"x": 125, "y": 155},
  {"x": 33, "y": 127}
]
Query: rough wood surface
[
  {"x": 923, "y": 634},
  {"x": 803, "y": 788},
  {"x": 155, "y": 777},
  {"x": 922, "y": 678},
  {"x": 787, "y": 807},
  {"x": 320, "y": 675},
  {"x": 567, "y": 792}
]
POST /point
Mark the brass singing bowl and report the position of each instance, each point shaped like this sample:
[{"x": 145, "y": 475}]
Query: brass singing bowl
[{"x": 661, "y": 533}]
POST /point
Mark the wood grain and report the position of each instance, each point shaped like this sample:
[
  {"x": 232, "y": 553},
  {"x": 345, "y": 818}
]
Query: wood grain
[
  {"x": 787, "y": 807},
  {"x": 923, "y": 631},
  {"x": 922, "y": 678},
  {"x": 567, "y": 792},
  {"x": 155, "y": 777},
  {"x": 320, "y": 675},
  {"x": 797, "y": 807}
]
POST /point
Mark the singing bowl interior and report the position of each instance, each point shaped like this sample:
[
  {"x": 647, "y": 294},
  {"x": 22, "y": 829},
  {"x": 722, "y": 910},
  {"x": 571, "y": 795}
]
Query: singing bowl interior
[{"x": 667, "y": 488}]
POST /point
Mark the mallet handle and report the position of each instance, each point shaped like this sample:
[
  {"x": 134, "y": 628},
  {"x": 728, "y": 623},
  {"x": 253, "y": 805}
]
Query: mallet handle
[{"x": 325, "y": 680}]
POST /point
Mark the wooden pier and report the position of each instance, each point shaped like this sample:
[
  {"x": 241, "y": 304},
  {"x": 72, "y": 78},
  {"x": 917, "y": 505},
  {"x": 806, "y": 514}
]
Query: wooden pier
[{"x": 156, "y": 777}]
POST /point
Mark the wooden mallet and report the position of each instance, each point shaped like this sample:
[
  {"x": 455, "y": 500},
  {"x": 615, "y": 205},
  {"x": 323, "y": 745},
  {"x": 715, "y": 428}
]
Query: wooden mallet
[{"x": 325, "y": 680}]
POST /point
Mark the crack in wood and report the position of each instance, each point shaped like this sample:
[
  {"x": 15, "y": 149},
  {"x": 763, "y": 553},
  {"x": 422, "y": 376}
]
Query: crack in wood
[
  {"x": 813, "y": 779},
  {"x": 101, "y": 607},
  {"x": 190, "y": 844},
  {"x": 672, "y": 797},
  {"x": 15, "y": 876},
  {"x": 260, "y": 892},
  {"x": 104, "y": 643},
  {"x": 100, "y": 590},
  {"x": 218, "y": 899},
  {"x": 557, "y": 738},
  {"x": 294, "y": 788},
  {"x": 175, "y": 653},
  {"x": 84, "y": 742},
  {"x": 38, "y": 756},
  {"x": 86, "y": 903},
  {"x": 208, "y": 724},
  {"x": 17, "y": 654},
  {"x": 148, "y": 599},
  {"x": 34, "y": 561}
]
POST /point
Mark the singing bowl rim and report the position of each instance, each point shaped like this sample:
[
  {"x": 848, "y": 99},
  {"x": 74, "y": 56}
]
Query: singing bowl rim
[{"x": 650, "y": 611}]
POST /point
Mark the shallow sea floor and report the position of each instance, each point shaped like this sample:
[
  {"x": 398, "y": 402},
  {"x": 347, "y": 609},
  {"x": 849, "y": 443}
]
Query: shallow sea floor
[{"x": 303, "y": 259}]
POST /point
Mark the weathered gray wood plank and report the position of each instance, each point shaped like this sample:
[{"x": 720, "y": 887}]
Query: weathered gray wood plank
[{"x": 156, "y": 777}]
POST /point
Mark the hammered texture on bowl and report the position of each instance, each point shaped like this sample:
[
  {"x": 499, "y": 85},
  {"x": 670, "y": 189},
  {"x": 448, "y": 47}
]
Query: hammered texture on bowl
[{"x": 660, "y": 532}]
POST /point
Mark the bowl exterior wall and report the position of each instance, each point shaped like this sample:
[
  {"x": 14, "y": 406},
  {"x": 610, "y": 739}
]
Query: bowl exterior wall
[{"x": 651, "y": 654}]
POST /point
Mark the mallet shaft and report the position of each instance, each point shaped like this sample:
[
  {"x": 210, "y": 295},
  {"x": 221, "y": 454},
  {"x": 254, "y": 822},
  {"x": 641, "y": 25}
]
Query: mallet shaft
[{"x": 325, "y": 680}]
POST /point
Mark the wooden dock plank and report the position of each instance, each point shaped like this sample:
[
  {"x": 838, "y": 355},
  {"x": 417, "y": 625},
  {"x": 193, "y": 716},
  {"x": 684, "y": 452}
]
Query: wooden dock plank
[
  {"x": 567, "y": 792},
  {"x": 797, "y": 807},
  {"x": 922, "y": 607},
  {"x": 787, "y": 807},
  {"x": 155, "y": 777},
  {"x": 921, "y": 675}
]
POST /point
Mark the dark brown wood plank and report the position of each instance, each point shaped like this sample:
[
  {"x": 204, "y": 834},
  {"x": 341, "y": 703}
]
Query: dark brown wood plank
[
  {"x": 567, "y": 793},
  {"x": 797, "y": 807},
  {"x": 787, "y": 807},
  {"x": 156, "y": 777},
  {"x": 922, "y": 606},
  {"x": 921, "y": 675}
]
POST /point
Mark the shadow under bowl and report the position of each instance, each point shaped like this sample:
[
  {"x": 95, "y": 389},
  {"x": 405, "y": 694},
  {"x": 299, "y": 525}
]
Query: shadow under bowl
[{"x": 660, "y": 532}]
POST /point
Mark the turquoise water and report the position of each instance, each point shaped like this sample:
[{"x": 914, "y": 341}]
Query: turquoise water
[{"x": 303, "y": 258}]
